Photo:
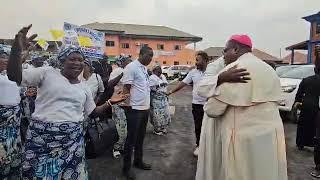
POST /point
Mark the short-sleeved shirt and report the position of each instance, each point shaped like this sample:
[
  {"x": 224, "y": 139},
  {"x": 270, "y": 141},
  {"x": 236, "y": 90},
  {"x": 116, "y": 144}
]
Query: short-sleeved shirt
[
  {"x": 95, "y": 84},
  {"x": 137, "y": 76},
  {"x": 58, "y": 100},
  {"x": 195, "y": 76}
]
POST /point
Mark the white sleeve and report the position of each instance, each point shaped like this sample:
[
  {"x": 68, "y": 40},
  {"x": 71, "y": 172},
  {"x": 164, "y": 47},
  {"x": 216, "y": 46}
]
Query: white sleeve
[
  {"x": 153, "y": 81},
  {"x": 100, "y": 84},
  {"x": 188, "y": 79},
  {"x": 215, "y": 108},
  {"x": 33, "y": 76},
  {"x": 115, "y": 73},
  {"x": 128, "y": 75},
  {"x": 89, "y": 105},
  {"x": 207, "y": 86}
]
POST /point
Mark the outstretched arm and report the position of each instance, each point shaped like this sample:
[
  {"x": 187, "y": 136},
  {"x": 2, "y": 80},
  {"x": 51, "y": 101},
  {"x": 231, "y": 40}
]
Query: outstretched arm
[{"x": 177, "y": 88}]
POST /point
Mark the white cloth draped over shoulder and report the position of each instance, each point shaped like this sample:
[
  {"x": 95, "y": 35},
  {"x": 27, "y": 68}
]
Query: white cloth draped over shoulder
[{"x": 242, "y": 136}]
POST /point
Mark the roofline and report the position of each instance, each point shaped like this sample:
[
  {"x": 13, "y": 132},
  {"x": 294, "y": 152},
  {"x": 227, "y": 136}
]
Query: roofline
[
  {"x": 146, "y": 36},
  {"x": 293, "y": 47},
  {"x": 138, "y": 36},
  {"x": 313, "y": 17},
  {"x": 135, "y": 36}
]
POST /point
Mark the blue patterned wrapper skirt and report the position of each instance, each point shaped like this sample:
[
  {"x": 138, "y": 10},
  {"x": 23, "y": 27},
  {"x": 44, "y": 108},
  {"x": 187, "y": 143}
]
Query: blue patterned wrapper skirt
[
  {"x": 10, "y": 143},
  {"x": 159, "y": 111},
  {"x": 54, "y": 151}
]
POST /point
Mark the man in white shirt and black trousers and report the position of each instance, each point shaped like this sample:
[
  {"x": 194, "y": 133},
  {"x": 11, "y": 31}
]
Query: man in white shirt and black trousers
[
  {"x": 194, "y": 77},
  {"x": 136, "y": 83}
]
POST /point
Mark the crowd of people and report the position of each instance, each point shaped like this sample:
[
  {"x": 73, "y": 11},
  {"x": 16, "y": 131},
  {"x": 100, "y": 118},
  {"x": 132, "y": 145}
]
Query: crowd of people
[{"x": 46, "y": 108}]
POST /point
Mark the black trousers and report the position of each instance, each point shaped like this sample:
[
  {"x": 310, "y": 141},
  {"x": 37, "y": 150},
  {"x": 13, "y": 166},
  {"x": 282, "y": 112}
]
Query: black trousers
[
  {"x": 197, "y": 112},
  {"x": 137, "y": 121},
  {"x": 316, "y": 152}
]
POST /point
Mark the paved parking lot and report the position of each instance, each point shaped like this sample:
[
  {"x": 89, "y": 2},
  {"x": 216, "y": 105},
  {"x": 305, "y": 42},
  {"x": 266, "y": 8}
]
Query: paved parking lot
[{"x": 171, "y": 155}]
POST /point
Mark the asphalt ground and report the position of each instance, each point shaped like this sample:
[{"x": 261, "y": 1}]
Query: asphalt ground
[{"x": 172, "y": 157}]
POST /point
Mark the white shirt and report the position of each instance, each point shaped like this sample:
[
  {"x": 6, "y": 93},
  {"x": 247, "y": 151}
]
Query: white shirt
[
  {"x": 137, "y": 76},
  {"x": 9, "y": 92},
  {"x": 207, "y": 86},
  {"x": 156, "y": 81},
  {"x": 115, "y": 73},
  {"x": 195, "y": 76},
  {"x": 95, "y": 84},
  {"x": 57, "y": 99}
]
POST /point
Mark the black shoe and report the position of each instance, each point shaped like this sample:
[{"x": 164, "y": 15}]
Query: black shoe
[
  {"x": 129, "y": 175},
  {"x": 142, "y": 166}
]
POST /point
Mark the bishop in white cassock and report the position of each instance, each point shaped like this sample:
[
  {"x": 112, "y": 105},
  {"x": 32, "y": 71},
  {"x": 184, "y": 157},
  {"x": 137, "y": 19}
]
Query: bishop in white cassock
[{"x": 242, "y": 133}]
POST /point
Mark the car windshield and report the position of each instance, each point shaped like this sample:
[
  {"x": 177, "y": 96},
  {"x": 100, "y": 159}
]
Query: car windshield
[
  {"x": 283, "y": 69},
  {"x": 299, "y": 72}
]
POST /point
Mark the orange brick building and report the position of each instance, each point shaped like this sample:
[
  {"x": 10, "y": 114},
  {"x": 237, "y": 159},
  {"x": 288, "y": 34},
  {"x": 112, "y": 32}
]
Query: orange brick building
[{"x": 169, "y": 44}]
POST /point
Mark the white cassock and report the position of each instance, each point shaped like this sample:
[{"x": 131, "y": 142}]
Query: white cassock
[{"x": 242, "y": 135}]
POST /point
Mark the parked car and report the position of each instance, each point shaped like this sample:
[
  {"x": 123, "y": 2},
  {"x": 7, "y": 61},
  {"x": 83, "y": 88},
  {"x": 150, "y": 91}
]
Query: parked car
[
  {"x": 165, "y": 70},
  {"x": 290, "y": 80},
  {"x": 284, "y": 68},
  {"x": 175, "y": 70}
]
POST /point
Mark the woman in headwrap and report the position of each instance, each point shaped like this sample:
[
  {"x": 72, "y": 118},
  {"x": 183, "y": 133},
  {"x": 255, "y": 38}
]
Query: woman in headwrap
[
  {"x": 10, "y": 115},
  {"x": 118, "y": 113},
  {"x": 159, "y": 109},
  {"x": 54, "y": 147}
]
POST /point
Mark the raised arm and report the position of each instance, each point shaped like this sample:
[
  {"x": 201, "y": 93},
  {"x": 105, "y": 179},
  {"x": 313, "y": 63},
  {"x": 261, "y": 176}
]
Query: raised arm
[{"x": 20, "y": 44}]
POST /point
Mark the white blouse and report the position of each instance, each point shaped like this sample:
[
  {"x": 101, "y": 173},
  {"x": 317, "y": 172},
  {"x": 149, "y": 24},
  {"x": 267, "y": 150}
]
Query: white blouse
[
  {"x": 58, "y": 100},
  {"x": 9, "y": 92},
  {"x": 156, "y": 81}
]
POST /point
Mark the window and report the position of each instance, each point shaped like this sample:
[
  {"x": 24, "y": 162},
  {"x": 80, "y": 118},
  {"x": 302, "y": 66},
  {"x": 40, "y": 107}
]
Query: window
[
  {"x": 177, "y": 47},
  {"x": 109, "y": 43},
  {"x": 176, "y": 63},
  {"x": 125, "y": 45},
  {"x": 160, "y": 47},
  {"x": 318, "y": 28},
  {"x": 164, "y": 62}
]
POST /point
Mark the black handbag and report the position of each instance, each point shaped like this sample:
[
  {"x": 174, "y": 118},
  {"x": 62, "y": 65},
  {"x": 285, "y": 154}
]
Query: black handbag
[{"x": 100, "y": 137}]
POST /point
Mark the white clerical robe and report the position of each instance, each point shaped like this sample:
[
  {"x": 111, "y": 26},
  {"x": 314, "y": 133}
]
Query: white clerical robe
[{"x": 242, "y": 134}]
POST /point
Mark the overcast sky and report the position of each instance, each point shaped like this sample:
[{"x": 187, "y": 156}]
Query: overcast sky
[{"x": 272, "y": 24}]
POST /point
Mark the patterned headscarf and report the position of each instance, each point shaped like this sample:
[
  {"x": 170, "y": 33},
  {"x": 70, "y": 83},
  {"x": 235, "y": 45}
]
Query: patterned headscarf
[
  {"x": 54, "y": 62},
  {"x": 4, "y": 51},
  {"x": 121, "y": 59},
  {"x": 156, "y": 65},
  {"x": 67, "y": 51},
  {"x": 39, "y": 58},
  {"x": 88, "y": 62}
]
